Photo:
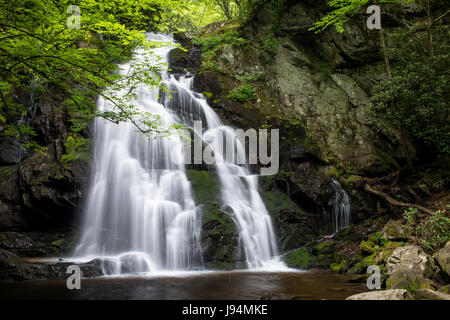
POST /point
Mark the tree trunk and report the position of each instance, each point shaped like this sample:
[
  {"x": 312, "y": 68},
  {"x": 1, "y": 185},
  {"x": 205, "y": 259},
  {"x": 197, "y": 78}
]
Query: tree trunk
[{"x": 387, "y": 64}]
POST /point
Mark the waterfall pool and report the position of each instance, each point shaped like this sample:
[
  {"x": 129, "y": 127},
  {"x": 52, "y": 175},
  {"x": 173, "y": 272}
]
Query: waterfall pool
[{"x": 235, "y": 285}]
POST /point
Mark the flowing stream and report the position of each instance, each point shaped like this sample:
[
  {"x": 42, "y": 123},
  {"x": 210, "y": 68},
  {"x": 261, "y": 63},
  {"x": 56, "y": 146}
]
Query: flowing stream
[{"x": 140, "y": 214}]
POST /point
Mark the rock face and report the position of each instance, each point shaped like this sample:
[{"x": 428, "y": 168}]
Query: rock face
[
  {"x": 39, "y": 193},
  {"x": 321, "y": 81}
]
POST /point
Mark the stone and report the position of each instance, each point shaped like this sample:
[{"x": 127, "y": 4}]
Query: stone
[
  {"x": 411, "y": 281},
  {"x": 396, "y": 294},
  {"x": 427, "y": 294},
  {"x": 410, "y": 259},
  {"x": 393, "y": 230},
  {"x": 442, "y": 258}
]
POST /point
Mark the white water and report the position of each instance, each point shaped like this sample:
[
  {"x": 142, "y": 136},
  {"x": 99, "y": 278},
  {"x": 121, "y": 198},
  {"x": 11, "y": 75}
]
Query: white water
[
  {"x": 340, "y": 204},
  {"x": 140, "y": 215}
]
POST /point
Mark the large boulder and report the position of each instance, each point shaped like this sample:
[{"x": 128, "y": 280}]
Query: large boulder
[
  {"x": 442, "y": 258},
  {"x": 409, "y": 267},
  {"x": 410, "y": 259}
]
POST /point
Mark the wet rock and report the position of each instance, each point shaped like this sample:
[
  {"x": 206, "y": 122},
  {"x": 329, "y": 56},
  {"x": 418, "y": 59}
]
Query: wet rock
[
  {"x": 51, "y": 189},
  {"x": 13, "y": 268},
  {"x": 12, "y": 151},
  {"x": 395, "y": 294},
  {"x": 219, "y": 233}
]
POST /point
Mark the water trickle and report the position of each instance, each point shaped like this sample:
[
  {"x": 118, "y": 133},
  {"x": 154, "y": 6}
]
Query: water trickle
[
  {"x": 340, "y": 206},
  {"x": 140, "y": 215}
]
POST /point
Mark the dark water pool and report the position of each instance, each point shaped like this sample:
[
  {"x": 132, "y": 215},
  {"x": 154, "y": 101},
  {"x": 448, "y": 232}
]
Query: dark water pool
[{"x": 201, "y": 286}]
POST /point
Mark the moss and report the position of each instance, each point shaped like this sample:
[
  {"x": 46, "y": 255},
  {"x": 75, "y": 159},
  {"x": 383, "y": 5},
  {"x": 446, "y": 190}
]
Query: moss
[
  {"x": 205, "y": 186},
  {"x": 207, "y": 95},
  {"x": 392, "y": 245},
  {"x": 409, "y": 281},
  {"x": 445, "y": 289},
  {"x": 300, "y": 258},
  {"x": 338, "y": 267},
  {"x": 222, "y": 265},
  {"x": 57, "y": 243},
  {"x": 369, "y": 261},
  {"x": 357, "y": 268},
  {"x": 277, "y": 202},
  {"x": 333, "y": 172},
  {"x": 243, "y": 93},
  {"x": 7, "y": 171},
  {"x": 367, "y": 246}
]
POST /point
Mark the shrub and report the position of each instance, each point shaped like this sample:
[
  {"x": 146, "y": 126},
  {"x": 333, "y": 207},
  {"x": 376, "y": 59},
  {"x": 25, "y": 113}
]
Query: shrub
[{"x": 243, "y": 93}]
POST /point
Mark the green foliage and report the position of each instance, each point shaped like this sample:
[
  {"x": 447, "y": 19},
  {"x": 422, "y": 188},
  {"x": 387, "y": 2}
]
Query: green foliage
[
  {"x": 343, "y": 10},
  {"x": 42, "y": 56},
  {"x": 230, "y": 37},
  {"x": 243, "y": 93},
  {"x": 76, "y": 149},
  {"x": 269, "y": 46},
  {"x": 434, "y": 233},
  {"x": 420, "y": 87}
]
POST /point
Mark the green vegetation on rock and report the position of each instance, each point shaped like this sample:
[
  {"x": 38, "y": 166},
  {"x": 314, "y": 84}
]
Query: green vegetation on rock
[{"x": 243, "y": 93}]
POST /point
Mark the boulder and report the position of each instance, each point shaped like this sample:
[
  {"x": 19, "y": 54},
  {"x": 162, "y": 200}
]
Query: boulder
[
  {"x": 427, "y": 294},
  {"x": 408, "y": 267},
  {"x": 405, "y": 280},
  {"x": 393, "y": 230},
  {"x": 396, "y": 294},
  {"x": 442, "y": 258},
  {"x": 410, "y": 259}
]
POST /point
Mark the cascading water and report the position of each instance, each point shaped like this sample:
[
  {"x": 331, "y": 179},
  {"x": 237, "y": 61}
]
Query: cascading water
[
  {"x": 240, "y": 194},
  {"x": 140, "y": 215},
  {"x": 340, "y": 206}
]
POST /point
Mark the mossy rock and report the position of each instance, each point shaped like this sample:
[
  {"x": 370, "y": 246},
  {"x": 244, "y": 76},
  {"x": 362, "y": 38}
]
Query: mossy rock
[
  {"x": 338, "y": 267},
  {"x": 300, "y": 258},
  {"x": 445, "y": 289},
  {"x": 367, "y": 246},
  {"x": 394, "y": 230},
  {"x": 410, "y": 281},
  {"x": 205, "y": 186}
]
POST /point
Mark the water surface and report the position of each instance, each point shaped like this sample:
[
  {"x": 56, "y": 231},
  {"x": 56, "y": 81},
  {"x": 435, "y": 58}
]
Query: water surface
[{"x": 194, "y": 286}]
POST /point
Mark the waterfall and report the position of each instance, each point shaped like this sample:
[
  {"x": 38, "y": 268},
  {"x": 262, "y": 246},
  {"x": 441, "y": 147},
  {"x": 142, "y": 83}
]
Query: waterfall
[
  {"x": 340, "y": 206},
  {"x": 240, "y": 195},
  {"x": 140, "y": 215}
]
